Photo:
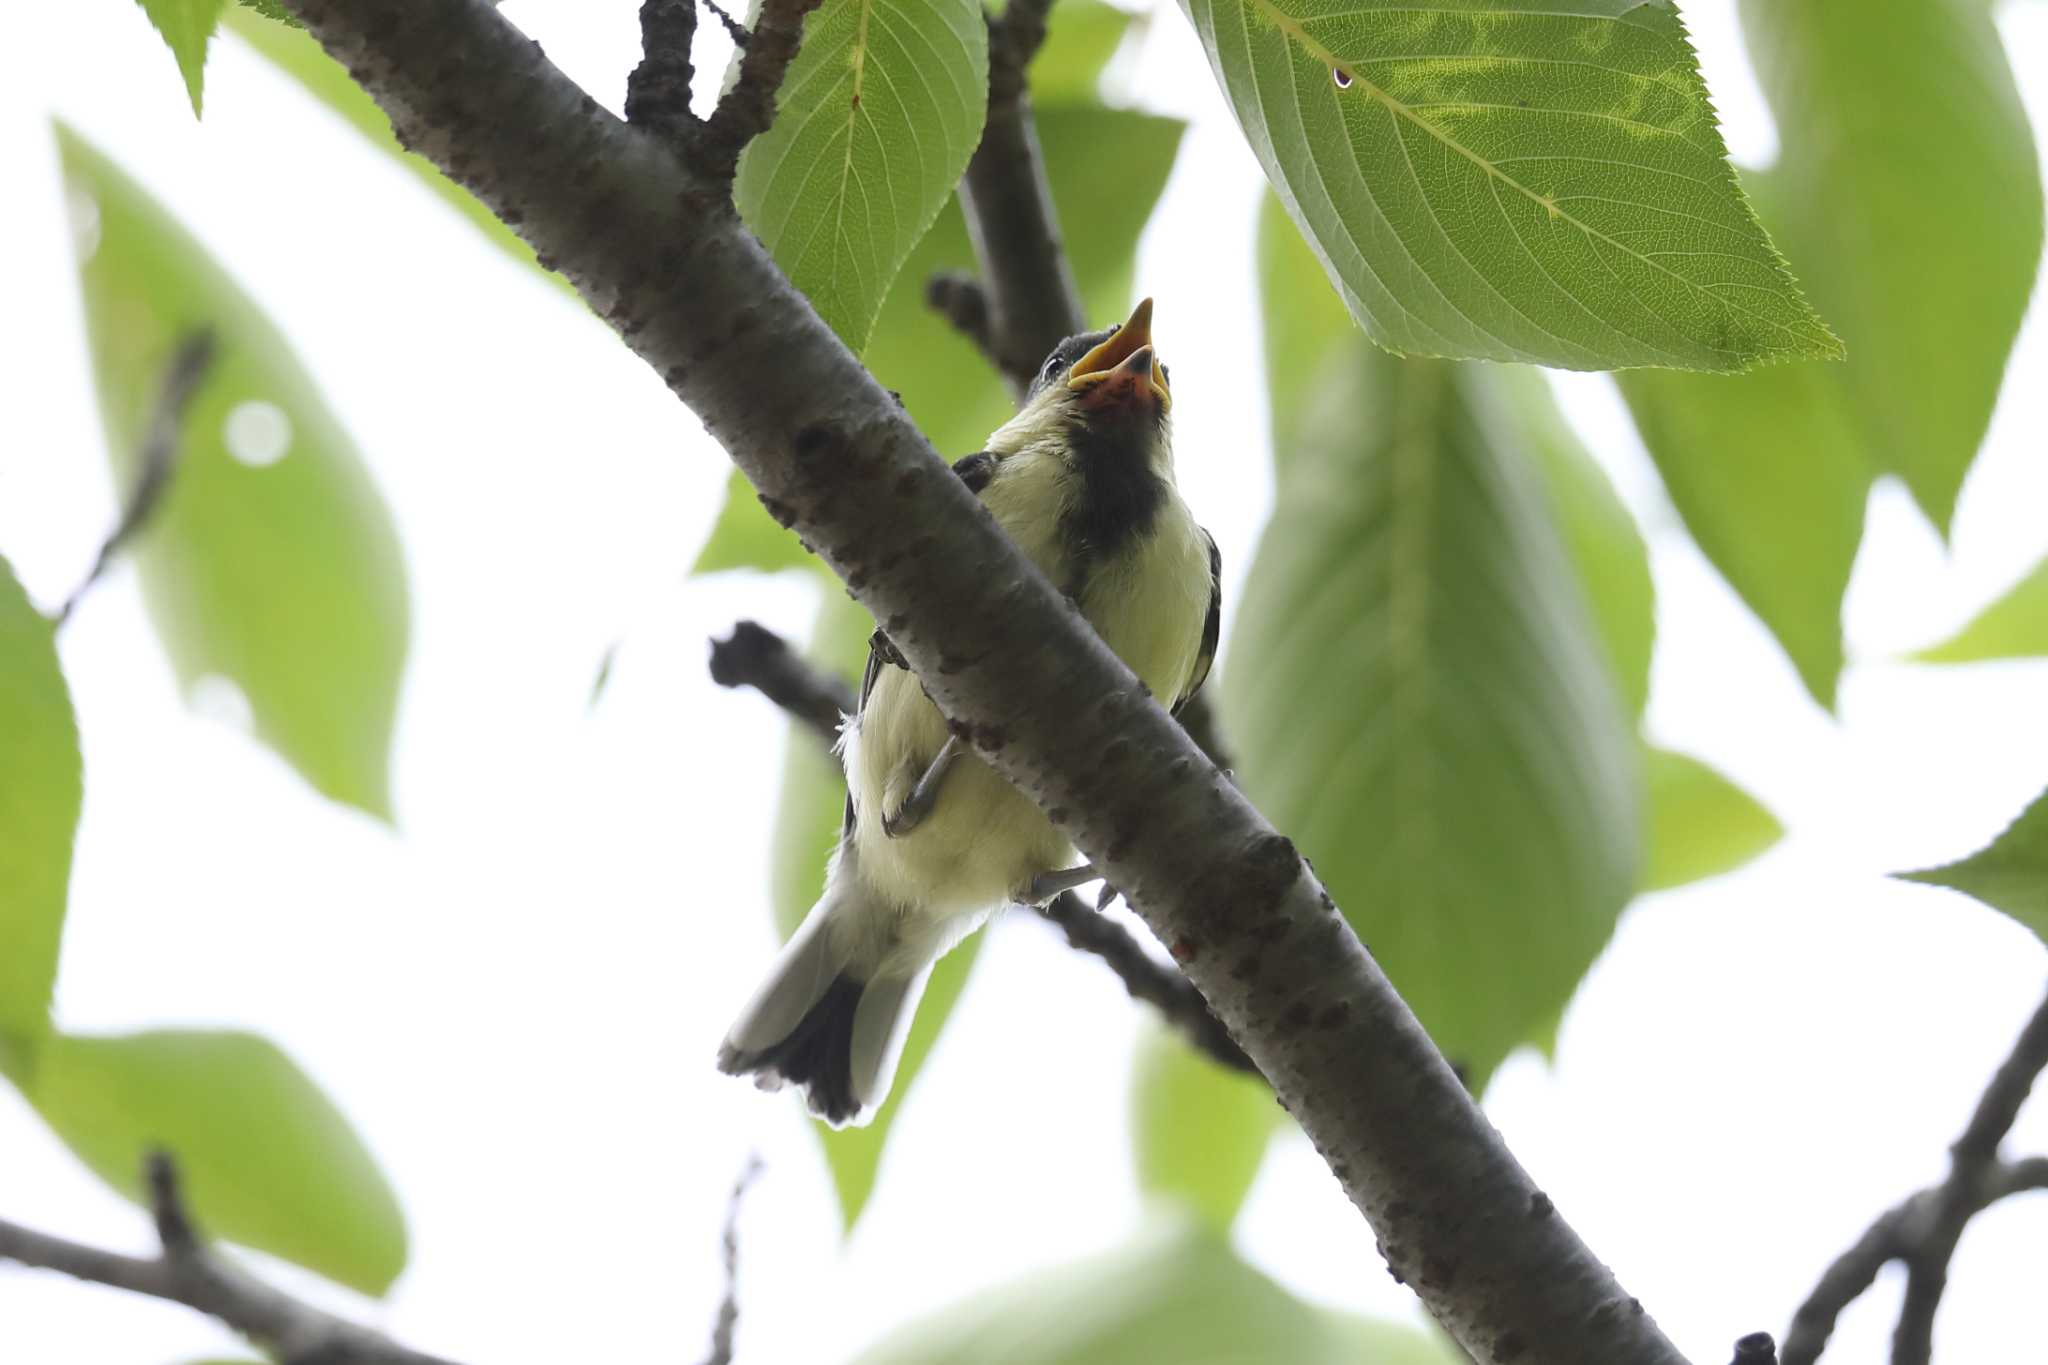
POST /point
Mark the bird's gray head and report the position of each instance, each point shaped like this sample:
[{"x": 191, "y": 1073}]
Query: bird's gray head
[{"x": 1099, "y": 395}]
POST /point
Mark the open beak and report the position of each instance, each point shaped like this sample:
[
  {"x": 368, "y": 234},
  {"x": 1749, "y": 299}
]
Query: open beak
[{"x": 1124, "y": 369}]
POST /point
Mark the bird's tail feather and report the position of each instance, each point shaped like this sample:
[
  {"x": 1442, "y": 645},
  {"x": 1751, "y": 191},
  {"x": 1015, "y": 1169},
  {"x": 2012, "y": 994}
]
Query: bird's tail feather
[{"x": 817, "y": 1024}]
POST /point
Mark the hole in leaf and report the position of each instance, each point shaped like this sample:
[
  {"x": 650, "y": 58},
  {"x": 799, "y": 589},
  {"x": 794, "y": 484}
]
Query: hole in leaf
[
  {"x": 257, "y": 433},
  {"x": 1341, "y": 77}
]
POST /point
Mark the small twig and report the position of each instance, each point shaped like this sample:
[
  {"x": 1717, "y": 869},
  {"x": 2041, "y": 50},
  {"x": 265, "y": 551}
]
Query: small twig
[
  {"x": 959, "y": 298},
  {"x": 658, "y": 90},
  {"x": 729, "y": 1306},
  {"x": 157, "y": 459},
  {"x": 754, "y": 656},
  {"x": 745, "y": 111},
  {"x": 187, "y": 1272},
  {"x": 734, "y": 29},
  {"x": 1922, "y": 1231},
  {"x": 1756, "y": 1349}
]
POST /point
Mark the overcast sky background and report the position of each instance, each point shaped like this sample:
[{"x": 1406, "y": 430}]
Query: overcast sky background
[{"x": 516, "y": 996}]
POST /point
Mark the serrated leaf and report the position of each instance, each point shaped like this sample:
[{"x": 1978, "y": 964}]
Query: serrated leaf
[
  {"x": 1606, "y": 549},
  {"x": 1701, "y": 824},
  {"x": 1486, "y": 181},
  {"x": 294, "y": 52},
  {"x": 807, "y": 822},
  {"x": 1175, "y": 1294},
  {"x": 272, "y": 561},
  {"x": 266, "y": 1158},
  {"x": 2010, "y": 873},
  {"x": 2013, "y": 627},
  {"x": 41, "y": 786},
  {"x": 1199, "y": 1131},
  {"x": 1107, "y": 169},
  {"x": 187, "y": 27},
  {"x": 875, "y": 123},
  {"x": 1767, "y": 472},
  {"x": 271, "y": 9},
  {"x": 1418, "y": 696},
  {"x": 1907, "y": 110}
]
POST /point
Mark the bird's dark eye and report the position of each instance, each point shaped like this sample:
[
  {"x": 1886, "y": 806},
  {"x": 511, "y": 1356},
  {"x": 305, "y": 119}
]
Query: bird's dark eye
[{"x": 1053, "y": 366}]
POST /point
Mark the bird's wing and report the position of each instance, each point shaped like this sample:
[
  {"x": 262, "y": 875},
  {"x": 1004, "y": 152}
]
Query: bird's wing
[
  {"x": 1211, "y": 627},
  {"x": 975, "y": 471}
]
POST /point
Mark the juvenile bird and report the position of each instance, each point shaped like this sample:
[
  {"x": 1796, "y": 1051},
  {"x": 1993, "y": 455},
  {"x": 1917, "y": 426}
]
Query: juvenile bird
[{"x": 933, "y": 840}]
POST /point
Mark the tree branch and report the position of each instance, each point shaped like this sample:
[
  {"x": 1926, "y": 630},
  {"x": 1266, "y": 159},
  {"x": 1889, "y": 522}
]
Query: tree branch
[
  {"x": 658, "y": 90},
  {"x": 729, "y": 1306},
  {"x": 186, "y": 1272},
  {"x": 653, "y": 245},
  {"x": 157, "y": 459},
  {"x": 1923, "y": 1230},
  {"x": 754, "y": 656},
  {"x": 745, "y": 111},
  {"x": 1029, "y": 297}
]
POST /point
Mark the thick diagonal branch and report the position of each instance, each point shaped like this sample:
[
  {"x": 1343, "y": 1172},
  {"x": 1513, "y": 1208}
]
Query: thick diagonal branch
[
  {"x": 186, "y": 1272},
  {"x": 1922, "y": 1232},
  {"x": 656, "y": 249}
]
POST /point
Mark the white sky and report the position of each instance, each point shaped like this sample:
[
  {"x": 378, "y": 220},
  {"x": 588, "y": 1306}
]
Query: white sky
[{"x": 518, "y": 995}]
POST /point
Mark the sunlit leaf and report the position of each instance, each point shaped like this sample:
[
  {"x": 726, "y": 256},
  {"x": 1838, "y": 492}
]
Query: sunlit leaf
[
  {"x": 273, "y": 561},
  {"x": 1199, "y": 1130},
  {"x": 1701, "y": 824},
  {"x": 2010, "y": 873},
  {"x": 1768, "y": 473},
  {"x": 266, "y": 1158},
  {"x": 2013, "y": 627},
  {"x": 40, "y": 791},
  {"x": 1177, "y": 1295},
  {"x": 877, "y": 119},
  {"x": 1486, "y": 181},
  {"x": 187, "y": 27},
  {"x": 294, "y": 52},
  {"x": 1906, "y": 110},
  {"x": 1417, "y": 691}
]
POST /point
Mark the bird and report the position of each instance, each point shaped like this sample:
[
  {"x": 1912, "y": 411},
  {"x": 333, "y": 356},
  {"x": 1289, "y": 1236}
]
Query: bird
[{"x": 933, "y": 841}]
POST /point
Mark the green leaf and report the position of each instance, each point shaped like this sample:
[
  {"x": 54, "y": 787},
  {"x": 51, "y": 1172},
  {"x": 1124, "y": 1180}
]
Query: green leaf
[
  {"x": 187, "y": 27},
  {"x": 272, "y": 561},
  {"x": 1720, "y": 442},
  {"x": 1419, "y": 695},
  {"x": 2013, "y": 627},
  {"x": 271, "y": 9},
  {"x": 294, "y": 52},
  {"x": 1199, "y": 1131},
  {"x": 266, "y": 1158},
  {"x": 1545, "y": 185},
  {"x": 1175, "y": 1294},
  {"x": 1600, "y": 537},
  {"x": 1107, "y": 169},
  {"x": 40, "y": 790},
  {"x": 1701, "y": 824},
  {"x": 1906, "y": 110},
  {"x": 806, "y": 827},
  {"x": 876, "y": 121},
  {"x": 2010, "y": 873}
]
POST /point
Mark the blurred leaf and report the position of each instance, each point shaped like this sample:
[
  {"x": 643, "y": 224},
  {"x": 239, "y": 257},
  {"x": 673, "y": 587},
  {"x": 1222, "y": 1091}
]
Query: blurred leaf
[
  {"x": 2010, "y": 873},
  {"x": 271, "y": 9},
  {"x": 877, "y": 119},
  {"x": 187, "y": 27},
  {"x": 1600, "y": 537},
  {"x": 1467, "y": 200},
  {"x": 1177, "y": 1295},
  {"x": 1419, "y": 695},
  {"x": 293, "y": 51},
  {"x": 1199, "y": 1130},
  {"x": 266, "y": 1158},
  {"x": 1768, "y": 473},
  {"x": 1078, "y": 45},
  {"x": 40, "y": 790},
  {"x": 272, "y": 561},
  {"x": 1908, "y": 111},
  {"x": 1701, "y": 824},
  {"x": 806, "y": 827},
  {"x": 1107, "y": 169},
  {"x": 2013, "y": 627}
]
